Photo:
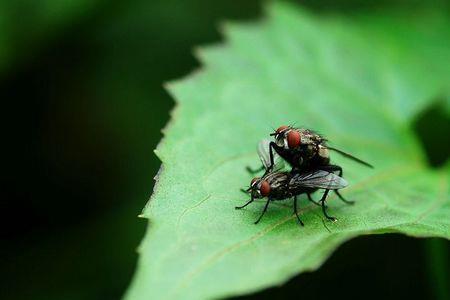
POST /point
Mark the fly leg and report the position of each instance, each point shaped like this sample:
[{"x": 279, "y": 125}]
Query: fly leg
[
  {"x": 311, "y": 199},
  {"x": 343, "y": 199},
  {"x": 322, "y": 202},
  {"x": 272, "y": 146},
  {"x": 254, "y": 171},
  {"x": 240, "y": 207},
  {"x": 334, "y": 168},
  {"x": 341, "y": 173},
  {"x": 351, "y": 157},
  {"x": 264, "y": 211},
  {"x": 296, "y": 212}
]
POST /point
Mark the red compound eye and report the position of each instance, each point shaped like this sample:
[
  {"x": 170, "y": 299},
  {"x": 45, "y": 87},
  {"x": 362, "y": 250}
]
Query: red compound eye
[
  {"x": 293, "y": 139},
  {"x": 253, "y": 181},
  {"x": 281, "y": 129},
  {"x": 264, "y": 189}
]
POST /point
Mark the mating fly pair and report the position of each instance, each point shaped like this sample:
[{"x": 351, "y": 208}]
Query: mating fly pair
[{"x": 307, "y": 154}]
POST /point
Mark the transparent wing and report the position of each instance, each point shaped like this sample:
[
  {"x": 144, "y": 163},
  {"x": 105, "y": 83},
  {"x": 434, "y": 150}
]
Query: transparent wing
[
  {"x": 318, "y": 179},
  {"x": 264, "y": 156}
]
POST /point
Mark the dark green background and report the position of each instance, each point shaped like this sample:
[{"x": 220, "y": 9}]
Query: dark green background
[{"x": 81, "y": 83}]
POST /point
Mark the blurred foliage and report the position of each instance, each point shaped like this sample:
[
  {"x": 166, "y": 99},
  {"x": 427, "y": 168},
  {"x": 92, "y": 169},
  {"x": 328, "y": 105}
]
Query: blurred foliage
[
  {"x": 87, "y": 106},
  {"x": 81, "y": 83},
  {"x": 26, "y": 25}
]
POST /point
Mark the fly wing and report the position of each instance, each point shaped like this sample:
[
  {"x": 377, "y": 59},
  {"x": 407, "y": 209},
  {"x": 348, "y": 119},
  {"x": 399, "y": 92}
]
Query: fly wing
[
  {"x": 318, "y": 179},
  {"x": 264, "y": 156}
]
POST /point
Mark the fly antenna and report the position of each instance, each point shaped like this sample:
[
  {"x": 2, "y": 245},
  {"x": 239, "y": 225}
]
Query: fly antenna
[
  {"x": 274, "y": 131},
  {"x": 351, "y": 157},
  {"x": 246, "y": 190}
]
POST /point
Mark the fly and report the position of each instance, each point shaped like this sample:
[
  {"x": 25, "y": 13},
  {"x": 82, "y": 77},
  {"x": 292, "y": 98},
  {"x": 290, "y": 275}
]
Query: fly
[
  {"x": 304, "y": 149},
  {"x": 276, "y": 184}
]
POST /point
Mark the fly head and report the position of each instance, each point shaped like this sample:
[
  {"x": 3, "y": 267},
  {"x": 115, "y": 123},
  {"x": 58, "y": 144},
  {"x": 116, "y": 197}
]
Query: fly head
[
  {"x": 260, "y": 188},
  {"x": 287, "y": 137}
]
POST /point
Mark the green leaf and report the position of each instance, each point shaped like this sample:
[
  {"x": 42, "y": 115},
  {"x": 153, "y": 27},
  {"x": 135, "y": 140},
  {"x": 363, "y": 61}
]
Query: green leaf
[{"x": 361, "y": 81}]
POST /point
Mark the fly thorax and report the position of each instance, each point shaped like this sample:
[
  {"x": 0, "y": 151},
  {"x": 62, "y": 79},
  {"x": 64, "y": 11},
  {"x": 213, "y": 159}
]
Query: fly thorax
[
  {"x": 307, "y": 137},
  {"x": 306, "y": 140},
  {"x": 276, "y": 179}
]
